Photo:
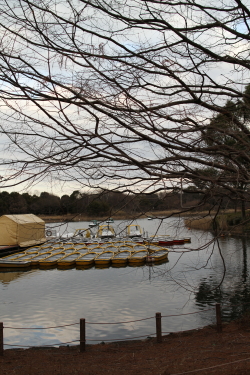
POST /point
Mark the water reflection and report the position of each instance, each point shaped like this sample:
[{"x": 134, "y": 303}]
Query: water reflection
[
  {"x": 8, "y": 275},
  {"x": 187, "y": 283},
  {"x": 234, "y": 293}
]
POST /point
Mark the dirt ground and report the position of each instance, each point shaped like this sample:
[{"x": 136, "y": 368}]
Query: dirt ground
[{"x": 202, "y": 352}]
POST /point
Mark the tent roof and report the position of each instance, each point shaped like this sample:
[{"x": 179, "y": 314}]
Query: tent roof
[{"x": 24, "y": 219}]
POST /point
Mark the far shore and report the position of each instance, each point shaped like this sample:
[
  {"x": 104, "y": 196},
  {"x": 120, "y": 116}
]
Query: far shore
[
  {"x": 116, "y": 216},
  {"x": 193, "y": 220}
]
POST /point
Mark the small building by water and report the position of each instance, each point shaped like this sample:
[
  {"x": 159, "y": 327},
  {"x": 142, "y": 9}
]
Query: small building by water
[{"x": 21, "y": 230}]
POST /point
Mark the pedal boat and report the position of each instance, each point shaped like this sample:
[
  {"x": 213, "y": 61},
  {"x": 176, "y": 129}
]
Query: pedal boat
[
  {"x": 126, "y": 248},
  {"x": 105, "y": 231},
  {"x": 78, "y": 246},
  {"x": 33, "y": 250},
  {"x": 14, "y": 260},
  {"x": 67, "y": 245},
  {"x": 98, "y": 249},
  {"x": 160, "y": 240},
  {"x": 110, "y": 220},
  {"x": 68, "y": 251},
  {"x": 14, "y": 263},
  {"x": 137, "y": 239},
  {"x": 114, "y": 249},
  {"x": 51, "y": 260},
  {"x": 104, "y": 258},
  {"x": 121, "y": 257},
  {"x": 35, "y": 259},
  {"x": 45, "y": 246},
  {"x": 83, "y": 233},
  {"x": 179, "y": 241},
  {"x": 69, "y": 259},
  {"x": 13, "y": 256},
  {"x": 157, "y": 255},
  {"x": 56, "y": 245},
  {"x": 91, "y": 246},
  {"x": 82, "y": 251},
  {"x": 139, "y": 247},
  {"x": 86, "y": 259},
  {"x": 134, "y": 230},
  {"x": 115, "y": 243},
  {"x": 152, "y": 248},
  {"x": 26, "y": 257},
  {"x": 138, "y": 257},
  {"x": 17, "y": 260},
  {"x": 129, "y": 243},
  {"x": 60, "y": 249}
]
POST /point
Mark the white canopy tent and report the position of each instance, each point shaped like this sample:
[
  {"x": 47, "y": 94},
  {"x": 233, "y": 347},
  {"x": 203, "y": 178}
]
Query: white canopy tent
[{"x": 21, "y": 230}]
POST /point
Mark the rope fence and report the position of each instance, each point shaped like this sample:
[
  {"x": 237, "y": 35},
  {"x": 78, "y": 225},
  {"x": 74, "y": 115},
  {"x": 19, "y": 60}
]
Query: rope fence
[
  {"x": 39, "y": 346},
  {"x": 128, "y": 321},
  {"x": 65, "y": 325},
  {"x": 158, "y": 324},
  {"x": 186, "y": 330},
  {"x": 127, "y": 338}
]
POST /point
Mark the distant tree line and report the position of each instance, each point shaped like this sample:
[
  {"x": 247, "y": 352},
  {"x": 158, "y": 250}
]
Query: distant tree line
[{"x": 104, "y": 202}]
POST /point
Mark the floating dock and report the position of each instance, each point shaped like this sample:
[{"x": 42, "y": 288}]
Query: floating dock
[{"x": 79, "y": 254}]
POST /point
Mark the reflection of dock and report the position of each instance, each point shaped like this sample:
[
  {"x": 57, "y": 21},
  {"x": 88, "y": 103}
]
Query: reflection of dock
[
  {"x": 8, "y": 275},
  {"x": 11, "y": 274}
]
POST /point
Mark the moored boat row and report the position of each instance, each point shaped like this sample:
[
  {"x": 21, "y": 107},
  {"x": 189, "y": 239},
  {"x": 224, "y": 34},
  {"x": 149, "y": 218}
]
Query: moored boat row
[
  {"x": 106, "y": 233},
  {"x": 82, "y": 257}
]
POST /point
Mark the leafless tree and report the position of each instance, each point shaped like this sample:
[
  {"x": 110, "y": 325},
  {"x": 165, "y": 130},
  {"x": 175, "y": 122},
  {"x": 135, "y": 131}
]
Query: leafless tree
[{"x": 119, "y": 94}]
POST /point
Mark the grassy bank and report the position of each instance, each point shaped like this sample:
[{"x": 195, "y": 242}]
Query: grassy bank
[{"x": 229, "y": 223}]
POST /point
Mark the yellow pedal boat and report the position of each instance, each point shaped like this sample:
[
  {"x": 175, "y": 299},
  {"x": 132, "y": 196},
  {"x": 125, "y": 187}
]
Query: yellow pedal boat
[
  {"x": 69, "y": 259},
  {"x": 104, "y": 258},
  {"x": 121, "y": 257},
  {"x": 35, "y": 259},
  {"x": 157, "y": 255},
  {"x": 86, "y": 259},
  {"x": 51, "y": 260},
  {"x": 138, "y": 257},
  {"x": 13, "y": 263}
]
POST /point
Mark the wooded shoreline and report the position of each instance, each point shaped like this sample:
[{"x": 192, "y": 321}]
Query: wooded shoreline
[
  {"x": 226, "y": 224},
  {"x": 116, "y": 216}
]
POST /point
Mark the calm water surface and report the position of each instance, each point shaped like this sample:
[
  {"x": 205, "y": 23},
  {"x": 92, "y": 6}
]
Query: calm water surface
[{"x": 186, "y": 284}]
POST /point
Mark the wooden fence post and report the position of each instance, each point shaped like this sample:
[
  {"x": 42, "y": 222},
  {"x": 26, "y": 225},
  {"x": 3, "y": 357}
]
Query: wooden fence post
[
  {"x": 158, "y": 327},
  {"x": 82, "y": 335},
  {"x": 1, "y": 338},
  {"x": 218, "y": 318}
]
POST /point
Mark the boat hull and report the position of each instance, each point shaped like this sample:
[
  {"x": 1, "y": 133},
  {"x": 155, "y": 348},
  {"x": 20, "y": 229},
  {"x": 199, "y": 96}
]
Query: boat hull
[
  {"x": 68, "y": 260},
  {"x": 120, "y": 259},
  {"x": 179, "y": 241},
  {"x": 35, "y": 260},
  {"x": 14, "y": 264},
  {"x": 100, "y": 260},
  {"x": 86, "y": 261},
  {"x": 157, "y": 256},
  {"x": 48, "y": 263},
  {"x": 138, "y": 257}
]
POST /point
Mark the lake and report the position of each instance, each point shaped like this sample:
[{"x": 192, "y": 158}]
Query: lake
[{"x": 187, "y": 283}]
